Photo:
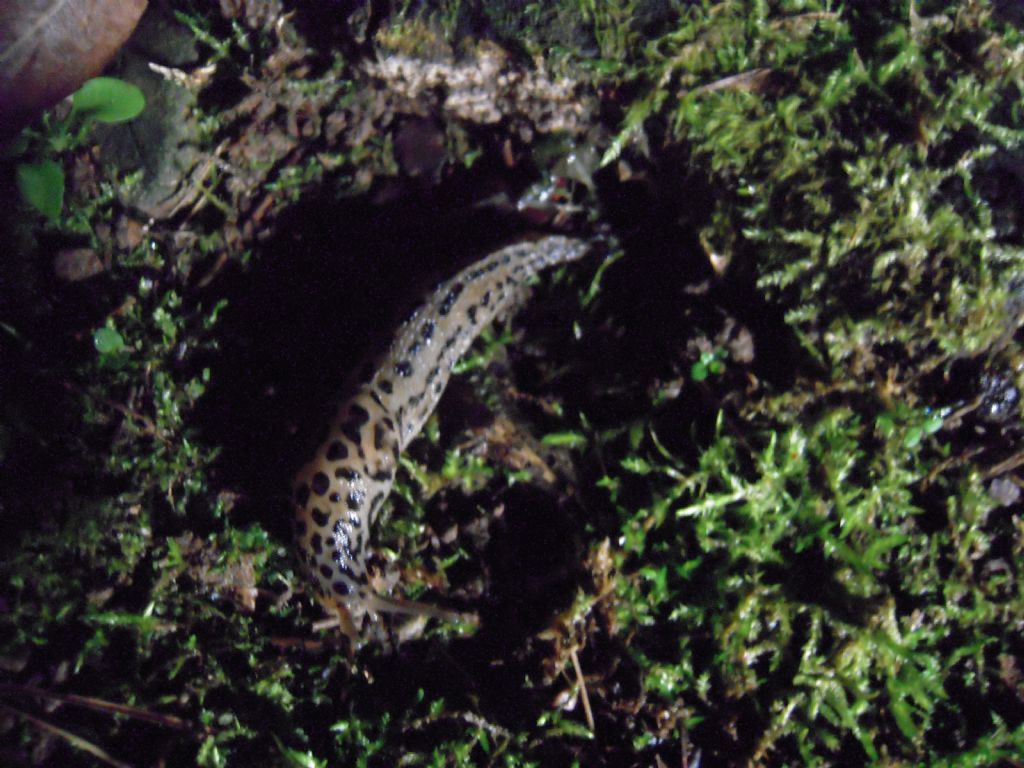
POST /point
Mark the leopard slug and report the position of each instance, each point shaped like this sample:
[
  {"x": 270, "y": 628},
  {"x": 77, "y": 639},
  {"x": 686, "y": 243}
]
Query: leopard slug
[{"x": 338, "y": 494}]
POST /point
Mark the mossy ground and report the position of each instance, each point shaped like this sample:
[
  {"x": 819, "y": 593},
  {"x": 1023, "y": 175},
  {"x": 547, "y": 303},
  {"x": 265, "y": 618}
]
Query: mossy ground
[{"x": 746, "y": 483}]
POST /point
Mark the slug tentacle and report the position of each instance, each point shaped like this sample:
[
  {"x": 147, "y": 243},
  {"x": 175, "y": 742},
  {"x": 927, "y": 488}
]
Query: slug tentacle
[{"x": 338, "y": 494}]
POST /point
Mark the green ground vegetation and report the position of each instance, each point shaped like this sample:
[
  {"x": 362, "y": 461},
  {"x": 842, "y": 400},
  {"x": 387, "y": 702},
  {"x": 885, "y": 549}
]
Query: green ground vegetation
[{"x": 750, "y": 486}]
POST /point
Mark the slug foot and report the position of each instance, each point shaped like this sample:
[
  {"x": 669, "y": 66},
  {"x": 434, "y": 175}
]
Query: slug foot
[{"x": 364, "y": 619}]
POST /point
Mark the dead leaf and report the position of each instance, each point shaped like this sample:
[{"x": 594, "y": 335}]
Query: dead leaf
[
  {"x": 74, "y": 264},
  {"x": 48, "y": 48}
]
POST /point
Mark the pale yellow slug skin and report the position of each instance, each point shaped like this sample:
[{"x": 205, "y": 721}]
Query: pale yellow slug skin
[{"x": 339, "y": 492}]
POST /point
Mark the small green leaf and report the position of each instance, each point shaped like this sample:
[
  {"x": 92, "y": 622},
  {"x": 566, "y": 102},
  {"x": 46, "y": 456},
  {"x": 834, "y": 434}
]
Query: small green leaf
[
  {"x": 568, "y": 727},
  {"x": 637, "y": 465},
  {"x": 298, "y": 758},
  {"x": 41, "y": 185},
  {"x": 108, "y": 100},
  {"x": 107, "y": 341},
  {"x": 709, "y": 363},
  {"x": 142, "y": 623},
  {"x": 565, "y": 439},
  {"x": 901, "y": 712}
]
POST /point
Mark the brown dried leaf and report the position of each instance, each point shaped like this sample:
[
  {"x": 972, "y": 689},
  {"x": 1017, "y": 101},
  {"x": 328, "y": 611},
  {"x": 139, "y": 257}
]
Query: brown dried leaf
[
  {"x": 75, "y": 264},
  {"x": 50, "y": 47}
]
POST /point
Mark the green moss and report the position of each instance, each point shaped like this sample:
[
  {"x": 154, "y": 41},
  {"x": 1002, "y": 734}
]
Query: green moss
[
  {"x": 799, "y": 576},
  {"x": 859, "y": 176}
]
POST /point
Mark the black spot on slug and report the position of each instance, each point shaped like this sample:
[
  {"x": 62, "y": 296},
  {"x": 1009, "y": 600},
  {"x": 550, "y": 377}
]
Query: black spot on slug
[
  {"x": 403, "y": 368},
  {"x": 335, "y": 497},
  {"x": 342, "y": 554},
  {"x": 357, "y": 416},
  {"x": 452, "y": 339},
  {"x": 449, "y": 300},
  {"x": 375, "y": 503},
  {"x": 343, "y": 566},
  {"x": 317, "y": 543},
  {"x": 380, "y": 434},
  {"x": 326, "y": 571},
  {"x": 385, "y": 386},
  {"x": 472, "y": 313},
  {"x": 320, "y": 483},
  {"x": 355, "y": 499},
  {"x": 382, "y": 475},
  {"x": 486, "y": 298},
  {"x": 347, "y": 473},
  {"x": 427, "y": 331},
  {"x": 337, "y": 451},
  {"x": 320, "y": 517},
  {"x": 341, "y": 538},
  {"x": 341, "y": 587}
]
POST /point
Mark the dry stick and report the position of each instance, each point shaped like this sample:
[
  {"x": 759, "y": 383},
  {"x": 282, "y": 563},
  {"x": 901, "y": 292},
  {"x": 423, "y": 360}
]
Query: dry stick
[
  {"x": 72, "y": 739},
  {"x": 1005, "y": 466},
  {"x": 587, "y": 711},
  {"x": 89, "y": 702}
]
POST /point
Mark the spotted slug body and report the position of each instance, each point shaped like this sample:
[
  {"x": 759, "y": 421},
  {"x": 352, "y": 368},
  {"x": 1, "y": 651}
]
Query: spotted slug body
[{"x": 339, "y": 493}]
